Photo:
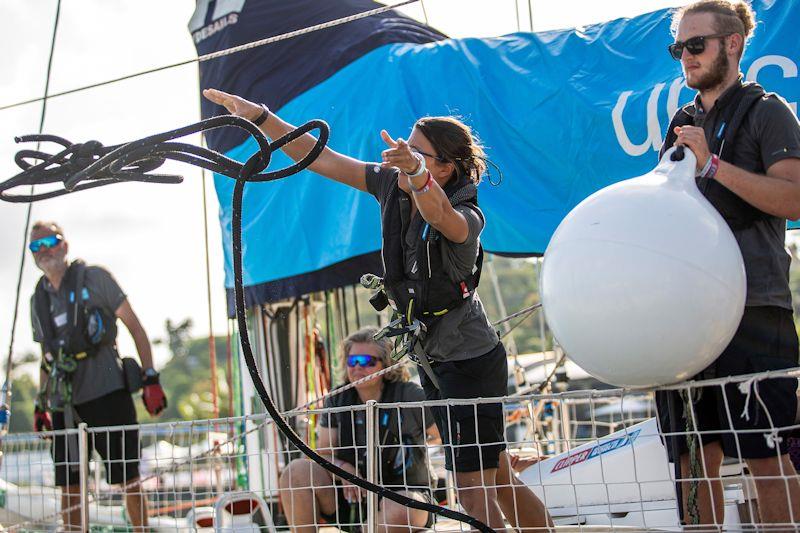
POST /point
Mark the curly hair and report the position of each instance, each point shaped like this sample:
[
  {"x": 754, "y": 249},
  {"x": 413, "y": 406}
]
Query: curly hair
[
  {"x": 456, "y": 143},
  {"x": 366, "y": 336}
]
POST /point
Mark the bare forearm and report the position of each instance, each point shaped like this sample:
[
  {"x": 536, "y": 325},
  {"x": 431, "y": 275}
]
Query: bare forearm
[
  {"x": 275, "y": 127},
  {"x": 326, "y": 442},
  {"x": 125, "y": 313},
  {"x": 775, "y": 196},
  {"x": 431, "y": 204},
  {"x": 328, "y": 164},
  {"x": 143, "y": 348},
  {"x": 327, "y": 453}
]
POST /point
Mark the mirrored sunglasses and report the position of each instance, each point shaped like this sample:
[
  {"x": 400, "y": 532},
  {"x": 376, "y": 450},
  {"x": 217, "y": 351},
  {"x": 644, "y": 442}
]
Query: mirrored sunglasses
[
  {"x": 51, "y": 241},
  {"x": 365, "y": 360}
]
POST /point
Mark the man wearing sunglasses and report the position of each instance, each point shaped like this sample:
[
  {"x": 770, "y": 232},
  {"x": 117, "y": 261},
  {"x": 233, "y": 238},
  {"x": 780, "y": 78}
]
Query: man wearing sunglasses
[
  {"x": 74, "y": 311},
  {"x": 747, "y": 144}
]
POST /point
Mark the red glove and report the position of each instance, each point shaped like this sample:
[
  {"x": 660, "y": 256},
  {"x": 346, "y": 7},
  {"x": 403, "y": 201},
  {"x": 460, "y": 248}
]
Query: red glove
[
  {"x": 41, "y": 420},
  {"x": 153, "y": 395}
]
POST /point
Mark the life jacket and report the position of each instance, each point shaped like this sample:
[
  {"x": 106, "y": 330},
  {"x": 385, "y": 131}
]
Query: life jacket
[
  {"x": 402, "y": 460},
  {"x": 737, "y": 213},
  {"x": 89, "y": 327},
  {"x": 435, "y": 292}
]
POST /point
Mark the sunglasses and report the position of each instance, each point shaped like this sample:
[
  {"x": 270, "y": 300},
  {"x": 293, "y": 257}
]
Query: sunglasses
[
  {"x": 695, "y": 45},
  {"x": 420, "y": 152},
  {"x": 51, "y": 241},
  {"x": 365, "y": 360}
]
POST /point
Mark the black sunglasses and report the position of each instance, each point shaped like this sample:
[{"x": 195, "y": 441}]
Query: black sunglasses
[
  {"x": 436, "y": 157},
  {"x": 695, "y": 45}
]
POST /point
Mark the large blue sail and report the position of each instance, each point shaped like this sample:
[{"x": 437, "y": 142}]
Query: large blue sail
[{"x": 563, "y": 113}]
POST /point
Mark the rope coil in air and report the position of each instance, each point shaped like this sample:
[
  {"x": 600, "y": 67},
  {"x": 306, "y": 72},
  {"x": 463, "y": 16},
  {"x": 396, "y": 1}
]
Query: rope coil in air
[{"x": 82, "y": 166}]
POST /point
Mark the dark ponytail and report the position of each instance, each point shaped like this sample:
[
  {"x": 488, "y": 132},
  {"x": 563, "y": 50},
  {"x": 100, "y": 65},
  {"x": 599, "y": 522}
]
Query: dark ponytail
[{"x": 455, "y": 143}]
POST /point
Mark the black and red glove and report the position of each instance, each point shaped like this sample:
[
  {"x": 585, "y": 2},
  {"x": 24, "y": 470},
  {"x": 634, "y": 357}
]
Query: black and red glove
[
  {"x": 41, "y": 418},
  {"x": 153, "y": 395}
]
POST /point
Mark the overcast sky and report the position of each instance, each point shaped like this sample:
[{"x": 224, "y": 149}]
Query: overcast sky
[{"x": 151, "y": 236}]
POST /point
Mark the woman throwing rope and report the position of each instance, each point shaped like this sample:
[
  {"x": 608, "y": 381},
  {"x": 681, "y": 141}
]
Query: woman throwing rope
[{"x": 431, "y": 226}]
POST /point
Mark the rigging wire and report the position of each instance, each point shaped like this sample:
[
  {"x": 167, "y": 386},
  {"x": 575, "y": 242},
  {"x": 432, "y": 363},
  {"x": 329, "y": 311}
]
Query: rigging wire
[
  {"x": 6, "y": 389},
  {"x": 221, "y": 53},
  {"x": 212, "y": 348}
]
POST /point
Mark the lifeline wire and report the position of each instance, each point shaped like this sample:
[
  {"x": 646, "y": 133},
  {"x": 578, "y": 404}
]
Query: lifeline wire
[
  {"x": 528, "y": 311},
  {"x": 221, "y": 53},
  {"x": 88, "y": 165}
]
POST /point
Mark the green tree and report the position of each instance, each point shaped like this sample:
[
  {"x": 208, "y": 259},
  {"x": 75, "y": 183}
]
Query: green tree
[
  {"x": 23, "y": 393},
  {"x": 186, "y": 378},
  {"x": 794, "y": 282},
  {"x": 519, "y": 287}
]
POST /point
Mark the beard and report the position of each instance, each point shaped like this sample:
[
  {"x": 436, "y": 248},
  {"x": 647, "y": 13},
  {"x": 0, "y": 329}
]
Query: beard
[
  {"x": 49, "y": 263},
  {"x": 715, "y": 75}
]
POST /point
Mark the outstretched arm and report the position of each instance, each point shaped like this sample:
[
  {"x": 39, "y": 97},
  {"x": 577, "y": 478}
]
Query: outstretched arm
[{"x": 329, "y": 164}]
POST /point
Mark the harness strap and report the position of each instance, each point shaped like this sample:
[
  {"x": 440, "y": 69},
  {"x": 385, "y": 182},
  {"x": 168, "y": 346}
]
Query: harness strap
[
  {"x": 411, "y": 334},
  {"x": 76, "y": 296},
  {"x": 424, "y": 362}
]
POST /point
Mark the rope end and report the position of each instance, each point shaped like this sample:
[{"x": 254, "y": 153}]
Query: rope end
[{"x": 678, "y": 154}]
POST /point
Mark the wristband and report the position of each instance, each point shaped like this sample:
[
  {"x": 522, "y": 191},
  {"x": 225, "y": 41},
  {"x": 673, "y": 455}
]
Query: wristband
[
  {"x": 425, "y": 188},
  {"x": 705, "y": 168},
  {"x": 711, "y": 167},
  {"x": 260, "y": 119},
  {"x": 420, "y": 169}
]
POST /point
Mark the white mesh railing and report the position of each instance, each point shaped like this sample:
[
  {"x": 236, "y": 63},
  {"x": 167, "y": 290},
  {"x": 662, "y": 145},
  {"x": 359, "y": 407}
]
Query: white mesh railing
[{"x": 601, "y": 463}]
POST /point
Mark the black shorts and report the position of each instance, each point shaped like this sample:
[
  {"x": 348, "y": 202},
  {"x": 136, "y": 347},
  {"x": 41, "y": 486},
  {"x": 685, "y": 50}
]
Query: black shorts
[
  {"x": 766, "y": 340},
  {"x": 351, "y": 516},
  {"x": 477, "y": 431},
  {"x": 119, "y": 449}
]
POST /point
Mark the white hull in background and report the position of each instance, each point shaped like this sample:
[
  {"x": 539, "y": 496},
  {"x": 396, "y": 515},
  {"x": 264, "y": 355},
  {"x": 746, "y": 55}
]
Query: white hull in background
[{"x": 623, "y": 479}]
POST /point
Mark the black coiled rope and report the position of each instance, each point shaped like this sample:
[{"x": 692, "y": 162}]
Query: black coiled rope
[{"x": 83, "y": 166}]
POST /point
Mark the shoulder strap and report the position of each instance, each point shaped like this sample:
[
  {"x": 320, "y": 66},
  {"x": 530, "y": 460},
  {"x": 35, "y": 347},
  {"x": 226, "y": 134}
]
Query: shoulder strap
[
  {"x": 478, "y": 267},
  {"x": 41, "y": 305},
  {"x": 392, "y": 226},
  {"x": 391, "y": 394},
  {"x": 78, "y": 269},
  {"x": 735, "y": 113}
]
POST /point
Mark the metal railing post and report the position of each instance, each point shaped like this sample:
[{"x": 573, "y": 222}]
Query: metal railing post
[
  {"x": 372, "y": 465},
  {"x": 450, "y": 488},
  {"x": 83, "y": 476}
]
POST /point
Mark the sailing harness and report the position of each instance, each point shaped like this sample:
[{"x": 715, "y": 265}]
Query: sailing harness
[
  {"x": 88, "y": 329},
  {"x": 83, "y": 166},
  {"x": 418, "y": 303}
]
